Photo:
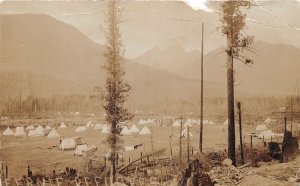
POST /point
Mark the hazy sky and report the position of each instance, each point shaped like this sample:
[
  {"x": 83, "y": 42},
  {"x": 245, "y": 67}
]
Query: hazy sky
[{"x": 159, "y": 24}]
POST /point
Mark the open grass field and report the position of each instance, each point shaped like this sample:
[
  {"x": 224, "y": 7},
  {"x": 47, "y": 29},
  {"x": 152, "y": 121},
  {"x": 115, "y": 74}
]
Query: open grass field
[{"x": 37, "y": 152}]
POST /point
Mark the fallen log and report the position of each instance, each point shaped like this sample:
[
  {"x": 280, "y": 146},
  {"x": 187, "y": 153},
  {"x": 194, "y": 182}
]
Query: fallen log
[
  {"x": 244, "y": 166},
  {"x": 131, "y": 163},
  {"x": 144, "y": 165}
]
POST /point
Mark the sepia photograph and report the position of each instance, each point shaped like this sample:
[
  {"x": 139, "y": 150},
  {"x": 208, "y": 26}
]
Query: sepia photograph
[{"x": 149, "y": 92}]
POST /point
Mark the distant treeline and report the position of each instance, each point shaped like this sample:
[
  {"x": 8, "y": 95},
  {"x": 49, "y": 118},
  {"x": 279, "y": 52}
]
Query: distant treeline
[
  {"x": 33, "y": 106},
  {"x": 39, "y": 106}
]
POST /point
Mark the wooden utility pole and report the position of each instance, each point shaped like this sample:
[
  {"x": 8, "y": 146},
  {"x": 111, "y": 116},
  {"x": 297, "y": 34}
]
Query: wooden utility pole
[
  {"x": 180, "y": 138},
  {"x": 20, "y": 104},
  {"x": 201, "y": 99},
  {"x": 298, "y": 91},
  {"x": 241, "y": 135},
  {"x": 292, "y": 111},
  {"x": 188, "y": 144},
  {"x": 166, "y": 105},
  {"x": 152, "y": 146}
]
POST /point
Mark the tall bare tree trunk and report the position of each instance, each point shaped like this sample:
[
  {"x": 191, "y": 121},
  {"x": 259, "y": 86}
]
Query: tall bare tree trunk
[
  {"x": 201, "y": 102},
  {"x": 230, "y": 99}
]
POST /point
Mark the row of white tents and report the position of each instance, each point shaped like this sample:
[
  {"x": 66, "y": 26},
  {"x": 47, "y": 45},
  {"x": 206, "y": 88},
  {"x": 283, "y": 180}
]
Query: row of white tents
[
  {"x": 191, "y": 122},
  {"x": 105, "y": 129},
  {"x": 267, "y": 121},
  {"x": 128, "y": 131},
  {"x": 35, "y": 132},
  {"x": 146, "y": 122},
  {"x": 266, "y": 133}
]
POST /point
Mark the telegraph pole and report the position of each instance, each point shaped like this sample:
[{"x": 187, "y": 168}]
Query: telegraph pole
[
  {"x": 20, "y": 104},
  {"x": 241, "y": 134},
  {"x": 180, "y": 138},
  {"x": 201, "y": 99}
]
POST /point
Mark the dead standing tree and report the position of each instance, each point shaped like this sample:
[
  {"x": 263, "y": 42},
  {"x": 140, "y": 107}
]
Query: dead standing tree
[
  {"x": 117, "y": 90},
  {"x": 233, "y": 21}
]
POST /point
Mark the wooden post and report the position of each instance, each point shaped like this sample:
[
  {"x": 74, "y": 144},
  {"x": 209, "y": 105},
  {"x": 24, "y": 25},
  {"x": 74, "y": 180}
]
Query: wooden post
[
  {"x": 141, "y": 156},
  {"x": 2, "y": 169},
  {"x": 251, "y": 141},
  {"x": 188, "y": 144},
  {"x": 180, "y": 137},
  {"x": 284, "y": 124},
  {"x": 241, "y": 135},
  {"x": 20, "y": 104},
  {"x": 271, "y": 139},
  {"x": 6, "y": 171}
]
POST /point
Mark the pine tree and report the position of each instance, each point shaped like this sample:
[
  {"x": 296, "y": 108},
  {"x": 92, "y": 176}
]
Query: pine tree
[
  {"x": 233, "y": 21},
  {"x": 117, "y": 90}
]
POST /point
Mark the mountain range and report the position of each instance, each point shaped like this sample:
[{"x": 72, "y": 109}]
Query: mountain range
[
  {"x": 61, "y": 60},
  {"x": 275, "y": 68}
]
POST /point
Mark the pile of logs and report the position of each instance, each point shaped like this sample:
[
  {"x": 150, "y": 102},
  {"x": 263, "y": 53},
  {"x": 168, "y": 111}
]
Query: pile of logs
[{"x": 226, "y": 174}]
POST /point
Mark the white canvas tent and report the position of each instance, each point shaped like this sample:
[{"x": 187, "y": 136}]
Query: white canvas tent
[
  {"x": 89, "y": 151},
  {"x": 150, "y": 121},
  {"x": 266, "y": 134},
  {"x": 188, "y": 123},
  {"x": 20, "y": 131},
  {"x": 193, "y": 121},
  {"x": 204, "y": 122},
  {"x": 134, "y": 129},
  {"x": 125, "y": 131},
  {"x": 184, "y": 133},
  {"x": 79, "y": 149},
  {"x": 48, "y": 127},
  {"x": 211, "y": 122},
  {"x": 63, "y": 125},
  {"x": 40, "y": 128},
  {"x": 268, "y": 120},
  {"x": 176, "y": 123},
  {"x": 105, "y": 129},
  {"x": 38, "y": 132},
  {"x": 142, "y": 122},
  {"x": 67, "y": 144},
  {"x": 261, "y": 127},
  {"x": 225, "y": 122},
  {"x": 30, "y": 127},
  {"x": 98, "y": 126},
  {"x": 145, "y": 131},
  {"x": 8, "y": 132},
  {"x": 80, "y": 129},
  {"x": 53, "y": 134},
  {"x": 89, "y": 124},
  {"x": 129, "y": 148}
]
